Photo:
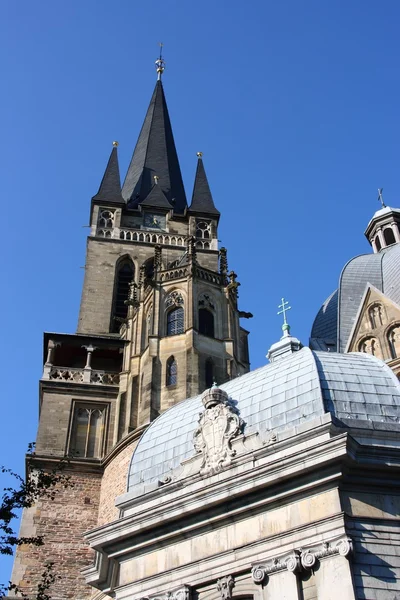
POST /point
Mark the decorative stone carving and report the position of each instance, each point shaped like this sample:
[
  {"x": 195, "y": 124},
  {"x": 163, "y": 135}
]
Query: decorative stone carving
[
  {"x": 174, "y": 299},
  {"x": 225, "y": 586},
  {"x": 223, "y": 261},
  {"x": 309, "y": 557},
  {"x": 302, "y": 558},
  {"x": 182, "y": 593},
  {"x": 289, "y": 562},
  {"x": 219, "y": 424},
  {"x": 206, "y": 301}
]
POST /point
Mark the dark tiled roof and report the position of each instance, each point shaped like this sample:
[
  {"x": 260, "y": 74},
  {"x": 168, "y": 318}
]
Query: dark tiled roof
[
  {"x": 156, "y": 198},
  {"x": 110, "y": 186},
  {"x": 155, "y": 154},
  {"x": 202, "y": 201}
]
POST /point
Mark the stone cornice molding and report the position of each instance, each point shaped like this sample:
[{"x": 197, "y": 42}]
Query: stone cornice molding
[{"x": 302, "y": 558}]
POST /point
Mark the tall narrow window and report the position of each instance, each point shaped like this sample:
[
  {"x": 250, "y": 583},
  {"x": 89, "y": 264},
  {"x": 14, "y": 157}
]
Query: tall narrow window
[
  {"x": 206, "y": 322},
  {"x": 172, "y": 371},
  {"x": 394, "y": 342},
  {"x": 124, "y": 275},
  {"x": 378, "y": 243},
  {"x": 209, "y": 373},
  {"x": 87, "y": 432},
  {"x": 175, "y": 321},
  {"x": 389, "y": 236}
]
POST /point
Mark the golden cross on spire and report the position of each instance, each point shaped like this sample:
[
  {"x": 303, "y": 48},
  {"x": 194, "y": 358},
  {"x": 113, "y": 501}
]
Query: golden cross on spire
[
  {"x": 380, "y": 197},
  {"x": 160, "y": 63}
]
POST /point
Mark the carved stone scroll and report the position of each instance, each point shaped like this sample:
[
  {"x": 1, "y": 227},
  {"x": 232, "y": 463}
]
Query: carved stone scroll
[{"x": 219, "y": 424}]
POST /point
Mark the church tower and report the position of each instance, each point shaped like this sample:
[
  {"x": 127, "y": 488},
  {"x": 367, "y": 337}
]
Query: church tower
[{"x": 158, "y": 322}]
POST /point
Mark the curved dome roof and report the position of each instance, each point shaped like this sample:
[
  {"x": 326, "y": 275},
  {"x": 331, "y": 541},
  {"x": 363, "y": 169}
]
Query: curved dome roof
[
  {"x": 335, "y": 319},
  {"x": 275, "y": 397}
]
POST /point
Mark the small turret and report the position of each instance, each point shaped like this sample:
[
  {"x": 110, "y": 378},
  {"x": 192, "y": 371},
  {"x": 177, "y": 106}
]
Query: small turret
[{"x": 384, "y": 228}]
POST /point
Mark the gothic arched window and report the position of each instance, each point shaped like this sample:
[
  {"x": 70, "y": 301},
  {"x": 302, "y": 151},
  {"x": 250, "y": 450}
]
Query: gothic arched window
[
  {"x": 394, "y": 342},
  {"x": 206, "y": 322},
  {"x": 172, "y": 371},
  {"x": 209, "y": 373},
  {"x": 376, "y": 316},
  {"x": 203, "y": 229},
  {"x": 370, "y": 345},
  {"x": 87, "y": 432},
  {"x": 389, "y": 236},
  {"x": 175, "y": 321},
  {"x": 125, "y": 273}
]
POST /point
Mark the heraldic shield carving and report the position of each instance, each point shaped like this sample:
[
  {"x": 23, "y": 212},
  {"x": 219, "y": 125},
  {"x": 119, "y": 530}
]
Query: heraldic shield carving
[{"x": 219, "y": 424}]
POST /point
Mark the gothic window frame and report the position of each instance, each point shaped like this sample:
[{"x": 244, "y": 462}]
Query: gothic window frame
[
  {"x": 175, "y": 321},
  {"x": 171, "y": 371},
  {"x": 105, "y": 221},
  {"x": 372, "y": 317},
  {"x": 115, "y": 323},
  {"x": 203, "y": 229},
  {"x": 394, "y": 354},
  {"x": 99, "y": 444}
]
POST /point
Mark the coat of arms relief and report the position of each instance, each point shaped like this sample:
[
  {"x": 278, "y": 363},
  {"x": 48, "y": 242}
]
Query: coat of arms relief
[{"x": 218, "y": 425}]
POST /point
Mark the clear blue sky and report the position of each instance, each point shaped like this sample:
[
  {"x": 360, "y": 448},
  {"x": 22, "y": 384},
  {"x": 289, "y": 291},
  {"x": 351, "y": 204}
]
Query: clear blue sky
[{"x": 295, "y": 105}]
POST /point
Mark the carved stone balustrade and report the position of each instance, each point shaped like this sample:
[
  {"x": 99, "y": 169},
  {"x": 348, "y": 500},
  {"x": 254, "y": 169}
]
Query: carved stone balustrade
[{"x": 73, "y": 375}]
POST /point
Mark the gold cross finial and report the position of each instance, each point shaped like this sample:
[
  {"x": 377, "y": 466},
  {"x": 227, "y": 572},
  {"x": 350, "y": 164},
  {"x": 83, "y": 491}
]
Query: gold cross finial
[
  {"x": 156, "y": 178},
  {"x": 380, "y": 197},
  {"x": 160, "y": 63},
  {"x": 115, "y": 144}
]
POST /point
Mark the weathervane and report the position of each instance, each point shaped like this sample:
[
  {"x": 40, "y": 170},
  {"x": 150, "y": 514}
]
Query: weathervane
[
  {"x": 284, "y": 308},
  {"x": 380, "y": 197},
  {"x": 160, "y": 63}
]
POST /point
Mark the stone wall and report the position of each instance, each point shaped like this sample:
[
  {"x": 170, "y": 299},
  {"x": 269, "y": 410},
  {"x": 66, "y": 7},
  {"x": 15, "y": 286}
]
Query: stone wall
[
  {"x": 62, "y": 523},
  {"x": 114, "y": 483}
]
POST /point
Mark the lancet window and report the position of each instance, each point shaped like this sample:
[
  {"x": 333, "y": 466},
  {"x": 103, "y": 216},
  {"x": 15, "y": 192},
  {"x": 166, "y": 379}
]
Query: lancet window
[
  {"x": 394, "y": 342},
  {"x": 125, "y": 272},
  {"x": 370, "y": 345},
  {"x": 376, "y": 315},
  {"x": 206, "y": 315},
  {"x": 172, "y": 371},
  {"x": 87, "y": 431}
]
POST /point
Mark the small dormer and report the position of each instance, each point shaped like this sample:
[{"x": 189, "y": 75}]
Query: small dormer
[{"x": 384, "y": 228}]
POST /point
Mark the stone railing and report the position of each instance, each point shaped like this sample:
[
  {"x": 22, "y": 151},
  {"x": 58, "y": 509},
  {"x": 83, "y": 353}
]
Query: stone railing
[
  {"x": 139, "y": 235},
  {"x": 73, "y": 375},
  {"x": 171, "y": 274},
  {"x": 210, "y": 276}
]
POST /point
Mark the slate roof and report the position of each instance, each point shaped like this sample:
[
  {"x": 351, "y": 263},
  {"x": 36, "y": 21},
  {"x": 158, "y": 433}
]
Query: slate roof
[
  {"x": 202, "y": 200},
  {"x": 276, "y": 397},
  {"x": 336, "y": 317},
  {"x": 155, "y": 154},
  {"x": 110, "y": 186},
  {"x": 156, "y": 198}
]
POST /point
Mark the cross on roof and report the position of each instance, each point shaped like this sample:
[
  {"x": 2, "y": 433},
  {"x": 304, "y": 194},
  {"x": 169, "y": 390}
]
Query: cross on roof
[
  {"x": 380, "y": 197},
  {"x": 284, "y": 306}
]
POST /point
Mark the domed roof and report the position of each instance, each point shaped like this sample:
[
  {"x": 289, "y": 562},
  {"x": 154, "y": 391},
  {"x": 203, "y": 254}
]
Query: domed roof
[
  {"x": 335, "y": 319},
  {"x": 276, "y": 397}
]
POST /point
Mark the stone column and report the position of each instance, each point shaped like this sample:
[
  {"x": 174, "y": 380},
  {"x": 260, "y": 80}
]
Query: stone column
[
  {"x": 87, "y": 371},
  {"x": 395, "y": 228},
  {"x": 49, "y": 360},
  {"x": 381, "y": 238}
]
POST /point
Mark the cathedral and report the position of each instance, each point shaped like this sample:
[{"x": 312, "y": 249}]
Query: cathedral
[{"x": 194, "y": 478}]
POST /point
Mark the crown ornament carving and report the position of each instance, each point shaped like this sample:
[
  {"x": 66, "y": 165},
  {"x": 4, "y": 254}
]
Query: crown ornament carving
[{"x": 218, "y": 425}]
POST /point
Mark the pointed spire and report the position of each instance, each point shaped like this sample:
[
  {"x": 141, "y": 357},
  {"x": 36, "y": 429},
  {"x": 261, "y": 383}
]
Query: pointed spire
[
  {"x": 110, "y": 186},
  {"x": 155, "y": 154},
  {"x": 202, "y": 201}
]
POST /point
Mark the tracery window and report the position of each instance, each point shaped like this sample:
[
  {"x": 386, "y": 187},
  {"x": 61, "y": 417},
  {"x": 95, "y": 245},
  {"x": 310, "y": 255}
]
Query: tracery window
[
  {"x": 203, "y": 229},
  {"x": 370, "y": 345},
  {"x": 376, "y": 315},
  {"x": 394, "y": 341},
  {"x": 87, "y": 431},
  {"x": 175, "y": 321},
  {"x": 106, "y": 218},
  {"x": 172, "y": 371},
  {"x": 206, "y": 315},
  {"x": 125, "y": 273}
]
